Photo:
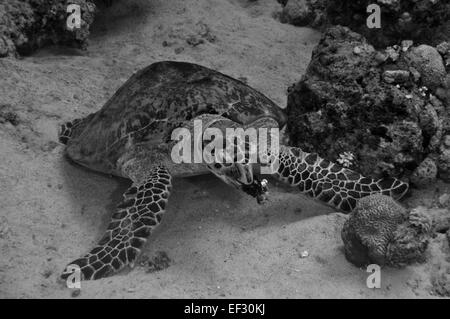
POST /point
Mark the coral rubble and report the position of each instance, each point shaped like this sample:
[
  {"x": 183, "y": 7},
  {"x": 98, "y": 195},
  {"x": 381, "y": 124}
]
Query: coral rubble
[
  {"x": 303, "y": 12},
  {"x": 26, "y": 25}
]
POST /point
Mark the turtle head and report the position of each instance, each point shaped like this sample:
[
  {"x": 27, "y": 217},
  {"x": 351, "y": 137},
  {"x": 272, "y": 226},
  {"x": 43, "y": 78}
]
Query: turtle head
[{"x": 234, "y": 163}]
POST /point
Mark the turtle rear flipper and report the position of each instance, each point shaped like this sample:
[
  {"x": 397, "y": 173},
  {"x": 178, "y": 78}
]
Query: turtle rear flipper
[
  {"x": 138, "y": 214},
  {"x": 66, "y": 130}
]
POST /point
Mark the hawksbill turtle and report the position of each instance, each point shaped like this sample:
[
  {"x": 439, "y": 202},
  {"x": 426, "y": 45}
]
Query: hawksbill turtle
[{"x": 130, "y": 136}]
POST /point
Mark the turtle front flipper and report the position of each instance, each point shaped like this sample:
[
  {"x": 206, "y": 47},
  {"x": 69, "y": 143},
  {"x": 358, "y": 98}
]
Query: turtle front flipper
[
  {"x": 331, "y": 183},
  {"x": 136, "y": 216}
]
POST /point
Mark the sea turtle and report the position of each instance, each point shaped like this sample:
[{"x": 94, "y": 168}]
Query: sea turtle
[{"x": 130, "y": 136}]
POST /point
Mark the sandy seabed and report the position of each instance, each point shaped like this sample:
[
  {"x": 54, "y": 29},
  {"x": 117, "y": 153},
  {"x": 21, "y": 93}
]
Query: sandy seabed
[{"x": 220, "y": 242}]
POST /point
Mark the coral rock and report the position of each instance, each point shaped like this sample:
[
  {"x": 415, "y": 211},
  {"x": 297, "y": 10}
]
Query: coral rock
[
  {"x": 381, "y": 231},
  {"x": 423, "y": 21},
  {"x": 444, "y": 159},
  {"x": 395, "y": 76},
  {"x": 304, "y": 12},
  {"x": 443, "y": 92},
  {"x": 425, "y": 174},
  {"x": 429, "y": 63},
  {"x": 443, "y": 48},
  {"x": 26, "y": 25},
  {"x": 343, "y": 103}
]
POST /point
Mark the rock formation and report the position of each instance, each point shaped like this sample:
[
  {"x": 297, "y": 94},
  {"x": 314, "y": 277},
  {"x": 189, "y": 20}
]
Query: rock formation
[
  {"x": 390, "y": 108},
  {"x": 31, "y": 24},
  {"x": 380, "y": 231}
]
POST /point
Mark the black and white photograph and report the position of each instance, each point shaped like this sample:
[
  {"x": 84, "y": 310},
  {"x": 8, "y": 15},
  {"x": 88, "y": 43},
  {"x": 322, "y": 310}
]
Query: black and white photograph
[{"x": 230, "y": 151}]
